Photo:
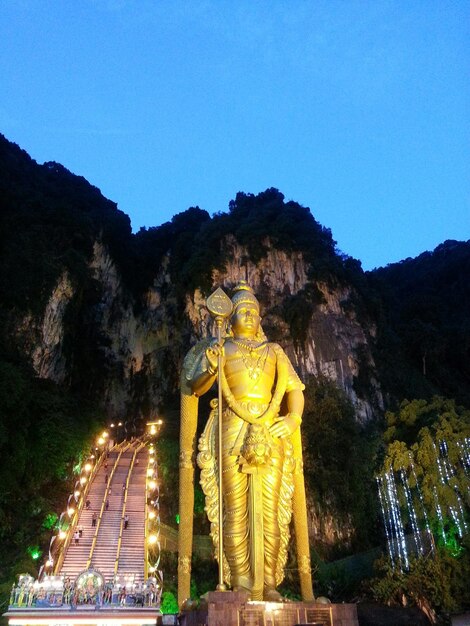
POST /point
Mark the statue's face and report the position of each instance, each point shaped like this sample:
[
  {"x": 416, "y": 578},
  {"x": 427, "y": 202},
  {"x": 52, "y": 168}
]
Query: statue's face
[{"x": 246, "y": 320}]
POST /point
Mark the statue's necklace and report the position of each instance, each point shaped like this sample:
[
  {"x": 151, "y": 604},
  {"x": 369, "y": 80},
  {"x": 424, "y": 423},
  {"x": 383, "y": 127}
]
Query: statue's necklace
[
  {"x": 273, "y": 408},
  {"x": 254, "y": 356}
]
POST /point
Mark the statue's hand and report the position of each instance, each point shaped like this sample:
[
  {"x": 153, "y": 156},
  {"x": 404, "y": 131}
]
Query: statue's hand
[
  {"x": 212, "y": 356},
  {"x": 285, "y": 425}
]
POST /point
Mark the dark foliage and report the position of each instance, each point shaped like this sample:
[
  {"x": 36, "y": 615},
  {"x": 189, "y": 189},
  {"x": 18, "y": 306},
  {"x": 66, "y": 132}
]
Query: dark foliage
[
  {"x": 204, "y": 574},
  {"x": 49, "y": 219},
  {"x": 437, "y": 585},
  {"x": 426, "y": 323},
  {"x": 339, "y": 461},
  {"x": 44, "y": 430}
]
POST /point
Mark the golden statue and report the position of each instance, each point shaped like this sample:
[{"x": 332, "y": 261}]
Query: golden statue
[{"x": 261, "y": 470}]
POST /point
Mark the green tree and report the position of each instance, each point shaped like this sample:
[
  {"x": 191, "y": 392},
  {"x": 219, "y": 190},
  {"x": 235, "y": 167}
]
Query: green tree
[
  {"x": 339, "y": 461},
  {"x": 437, "y": 584},
  {"x": 169, "y": 604},
  {"x": 426, "y": 441}
]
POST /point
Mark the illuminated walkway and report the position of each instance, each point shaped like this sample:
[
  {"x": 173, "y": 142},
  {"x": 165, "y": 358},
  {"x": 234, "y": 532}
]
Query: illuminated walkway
[
  {"x": 117, "y": 491},
  {"x": 103, "y": 562}
]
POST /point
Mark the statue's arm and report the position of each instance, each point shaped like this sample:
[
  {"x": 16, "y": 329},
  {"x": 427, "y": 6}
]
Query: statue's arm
[
  {"x": 203, "y": 382},
  {"x": 206, "y": 373},
  {"x": 295, "y": 402},
  {"x": 287, "y": 424}
]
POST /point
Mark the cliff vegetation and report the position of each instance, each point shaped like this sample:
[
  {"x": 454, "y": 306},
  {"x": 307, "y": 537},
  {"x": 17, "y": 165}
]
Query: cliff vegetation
[{"x": 95, "y": 321}]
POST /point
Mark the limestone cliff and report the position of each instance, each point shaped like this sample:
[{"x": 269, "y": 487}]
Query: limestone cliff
[
  {"x": 107, "y": 315},
  {"x": 142, "y": 348},
  {"x": 43, "y": 337},
  {"x": 334, "y": 338}
]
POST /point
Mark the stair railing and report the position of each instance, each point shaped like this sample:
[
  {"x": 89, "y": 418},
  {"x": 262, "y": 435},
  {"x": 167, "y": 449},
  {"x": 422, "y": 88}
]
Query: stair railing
[
  {"x": 123, "y": 512},
  {"x": 103, "y": 504},
  {"x": 58, "y": 562}
]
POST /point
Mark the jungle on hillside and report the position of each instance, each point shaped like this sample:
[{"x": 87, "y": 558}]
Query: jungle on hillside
[{"x": 386, "y": 451}]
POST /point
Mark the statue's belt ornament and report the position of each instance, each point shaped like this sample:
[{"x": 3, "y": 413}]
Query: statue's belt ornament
[
  {"x": 256, "y": 450},
  {"x": 254, "y": 408}
]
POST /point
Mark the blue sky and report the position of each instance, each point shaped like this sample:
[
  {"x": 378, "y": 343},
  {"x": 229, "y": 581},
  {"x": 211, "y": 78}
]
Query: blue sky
[{"x": 359, "y": 110}]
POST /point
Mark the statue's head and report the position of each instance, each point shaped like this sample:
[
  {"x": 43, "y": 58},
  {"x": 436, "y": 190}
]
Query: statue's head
[
  {"x": 245, "y": 319},
  {"x": 242, "y": 295}
]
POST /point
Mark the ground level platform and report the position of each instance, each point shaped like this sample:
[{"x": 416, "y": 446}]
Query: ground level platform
[{"x": 83, "y": 616}]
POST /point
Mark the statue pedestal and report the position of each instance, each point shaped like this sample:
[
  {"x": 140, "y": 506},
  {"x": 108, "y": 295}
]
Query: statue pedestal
[{"x": 229, "y": 608}]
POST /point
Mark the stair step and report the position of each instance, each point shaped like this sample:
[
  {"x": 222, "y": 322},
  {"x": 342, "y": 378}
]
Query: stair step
[{"x": 132, "y": 554}]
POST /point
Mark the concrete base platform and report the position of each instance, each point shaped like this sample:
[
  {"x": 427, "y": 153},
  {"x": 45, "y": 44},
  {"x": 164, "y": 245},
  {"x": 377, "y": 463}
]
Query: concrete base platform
[
  {"x": 83, "y": 616},
  {"x": 228, "y": 608}
]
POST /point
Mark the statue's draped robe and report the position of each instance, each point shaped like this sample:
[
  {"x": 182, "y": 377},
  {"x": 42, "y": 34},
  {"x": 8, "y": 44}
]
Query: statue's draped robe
[{"x": 258, "y": 490}]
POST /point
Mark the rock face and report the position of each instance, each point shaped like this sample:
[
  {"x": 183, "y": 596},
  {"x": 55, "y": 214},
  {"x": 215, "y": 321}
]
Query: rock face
[
  {"x": 44, "y": 338},
  {"x": 137, "y": 346},
  {"x": 335, "y": 342},
  {"x": 134, "y": 350},
  {"x": 141, "y": 348}
]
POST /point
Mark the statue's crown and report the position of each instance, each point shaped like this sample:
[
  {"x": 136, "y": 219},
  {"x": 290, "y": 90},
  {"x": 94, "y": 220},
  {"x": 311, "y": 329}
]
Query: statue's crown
[{"x": 243, "y": 294}]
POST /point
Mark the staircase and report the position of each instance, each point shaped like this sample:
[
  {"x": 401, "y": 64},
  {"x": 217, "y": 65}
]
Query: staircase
[
  {"x": 104, "y": 553},
  {"x": 132, "y": 552},
  {"x": 99, "y": 546}
]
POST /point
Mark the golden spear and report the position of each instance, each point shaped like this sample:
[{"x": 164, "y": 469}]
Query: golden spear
[{"x": 220, "y": 307}]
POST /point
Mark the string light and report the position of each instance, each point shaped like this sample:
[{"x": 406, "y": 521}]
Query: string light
[
  {"x": 412, "y": 513},
  {"x": 392, "y": 487}
]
